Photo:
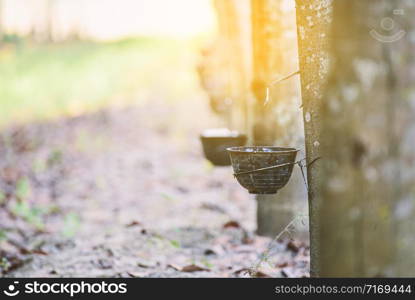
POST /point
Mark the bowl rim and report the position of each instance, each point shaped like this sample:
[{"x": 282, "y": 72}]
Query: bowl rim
[{"x": 277, "y": 149}]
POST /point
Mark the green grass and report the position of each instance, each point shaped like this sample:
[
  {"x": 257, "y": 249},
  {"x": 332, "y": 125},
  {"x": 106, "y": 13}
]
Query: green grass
[{"x": 40, "y": 82}]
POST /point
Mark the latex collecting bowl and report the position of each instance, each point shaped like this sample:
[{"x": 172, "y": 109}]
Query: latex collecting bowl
[
  {"x": 216, "y": 141},
  {"x": 247, "y": 160}
]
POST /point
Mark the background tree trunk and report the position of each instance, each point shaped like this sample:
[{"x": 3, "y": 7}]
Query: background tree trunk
[
  {"x": 235, "y": 35},
  {"x": 267, "y": 60},
  {"x": 266, "y": 18},
  {"x": 313, "y": 20},
  {"x": 367, "y": 186},
  {"x": 50, "y": 5},
  {"x": 277, "y": 122}
]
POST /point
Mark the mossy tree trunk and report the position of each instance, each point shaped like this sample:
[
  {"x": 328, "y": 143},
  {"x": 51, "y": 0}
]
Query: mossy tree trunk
[{"x": 367, "y": 206}]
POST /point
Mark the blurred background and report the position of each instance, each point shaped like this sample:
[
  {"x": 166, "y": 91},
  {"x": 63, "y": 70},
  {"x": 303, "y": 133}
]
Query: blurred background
[
  {"x": 101, "y": 106},
  {"x": 79, "y": 49}
]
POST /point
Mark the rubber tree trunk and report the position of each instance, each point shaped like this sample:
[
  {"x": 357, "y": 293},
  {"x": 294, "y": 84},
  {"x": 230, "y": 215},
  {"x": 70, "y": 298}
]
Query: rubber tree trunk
[
  {"x": 368, "y": 131},
  {"x": 313, "y": 25},
  {"x": 227, "y": 75},
  {"x": 235, "y": 30},
  {"x": 265, "y": 24},
  {"x": 50, "y": 6},
  {"x": 267, "y": 60},
  {"x": 241, "y": 60},
  {"x": 274, "y": 212}
]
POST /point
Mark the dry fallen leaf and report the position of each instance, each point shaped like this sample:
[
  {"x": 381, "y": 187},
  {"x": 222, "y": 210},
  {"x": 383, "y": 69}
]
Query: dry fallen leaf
[
  {"x": 282, "y": 265},
  {"x": 243, "y": 271},
  {"x": 133, "y": 223},
  {"x": 231, "y": 224},
  {"x": 136, "y": 274},
  {"x": 174, "y": 267},
  {"x": 293, "y": 246},
  {"x": 214, "y": 250},
  {"x": 39, "y": 252},
  {"x": 260, "y": 274},
  {"x": 193, "y": 268},
  {"x": 10, "y": 174}
]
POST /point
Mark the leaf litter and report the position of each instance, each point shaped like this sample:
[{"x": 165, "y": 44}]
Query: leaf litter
[{"x": 111, "y": 194}]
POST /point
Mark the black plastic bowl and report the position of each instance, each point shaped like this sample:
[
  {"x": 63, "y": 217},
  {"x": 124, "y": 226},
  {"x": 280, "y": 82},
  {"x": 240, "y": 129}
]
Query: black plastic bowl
[
  {"x": 269, "y": 181},
  {"x": 214, "y": 147}
]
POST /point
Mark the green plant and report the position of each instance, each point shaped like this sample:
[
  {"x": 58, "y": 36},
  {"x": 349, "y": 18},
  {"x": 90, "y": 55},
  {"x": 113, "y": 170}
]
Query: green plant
[
  {"x": 22, "y": 188},
  {"x": 168, "y": 197},
  {"x": 32, "y": 215},
  {"x": 5, "y": 264},
  {"x": 54, "y": 80},
  {"x": 2, "y": 197},
  {"x": 71, "y": 225},
  {"x": 55, "y": 157},
  {"x": 175, "y": 244},
  {"x": 3, "y": 235}
]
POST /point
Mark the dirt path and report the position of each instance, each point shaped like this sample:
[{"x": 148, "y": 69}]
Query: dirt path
[{"x": 135, "y": 198}]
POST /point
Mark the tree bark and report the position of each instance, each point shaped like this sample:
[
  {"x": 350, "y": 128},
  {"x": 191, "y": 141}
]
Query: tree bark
[
  {"x": 266, "y": 29},
  {"x": 277, "y": 121},
  {"x": 367, "y": 206},
  {"x": 267, "y": 61},
  {"x": 313, "y": 24},
  {"x": 50, "y": 5}
]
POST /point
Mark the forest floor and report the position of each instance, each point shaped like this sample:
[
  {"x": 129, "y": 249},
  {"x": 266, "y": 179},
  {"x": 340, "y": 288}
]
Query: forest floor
[
  {"x": 126, "y": 192},
  {"x": 122, "y": 193}
]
